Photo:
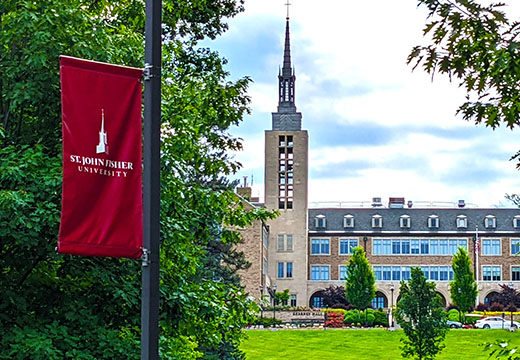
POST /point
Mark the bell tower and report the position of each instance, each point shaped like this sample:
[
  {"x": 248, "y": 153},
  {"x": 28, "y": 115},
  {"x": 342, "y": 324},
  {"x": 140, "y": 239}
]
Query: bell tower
[{"x": 286, "y": 173}]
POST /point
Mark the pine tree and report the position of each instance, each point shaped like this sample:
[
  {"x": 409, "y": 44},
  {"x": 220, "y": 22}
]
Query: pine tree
[
  {"x": 463, "y": 288},
  {"x": 360, "y": 284},
  {"x": 420, "y": 314}
]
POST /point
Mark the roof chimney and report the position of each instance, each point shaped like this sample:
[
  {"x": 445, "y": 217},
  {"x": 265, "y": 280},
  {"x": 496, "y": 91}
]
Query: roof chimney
[
  {"x": 396, "y": 203},
  {"x": 376, "y": 202},
  {"x": 462, "y": 204},
  {"x": 410, "y": 203}
]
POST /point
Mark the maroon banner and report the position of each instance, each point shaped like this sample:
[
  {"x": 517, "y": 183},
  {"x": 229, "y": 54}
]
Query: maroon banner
[{"x": 102, "y": 203}]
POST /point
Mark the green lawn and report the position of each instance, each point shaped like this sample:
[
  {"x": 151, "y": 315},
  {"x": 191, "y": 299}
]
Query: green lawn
[{"x": 361, "y": 344}]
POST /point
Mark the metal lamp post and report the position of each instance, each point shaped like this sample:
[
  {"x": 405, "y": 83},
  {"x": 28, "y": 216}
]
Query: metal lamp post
[
  {"x": 511, "y": 286},
  {"x": 392, "y": 288}
]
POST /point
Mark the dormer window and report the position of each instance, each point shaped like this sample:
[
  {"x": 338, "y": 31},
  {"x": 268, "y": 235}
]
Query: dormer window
[
  {"x": 490, "y": 221},
  {"x": 433, "y": 221},
  {"x": 404, "y": 221},
  {"x": 320, "y": 221},
  {"x": 348, "y": 221},
  {"x": 462, "y": 221},
  {"x": 516, "y": 222},
  {"x": 377, "y": 221}
]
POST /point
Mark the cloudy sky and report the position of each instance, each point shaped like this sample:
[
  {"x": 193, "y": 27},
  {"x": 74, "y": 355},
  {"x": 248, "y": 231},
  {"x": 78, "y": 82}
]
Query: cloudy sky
[{"x": 376, "y": 128}]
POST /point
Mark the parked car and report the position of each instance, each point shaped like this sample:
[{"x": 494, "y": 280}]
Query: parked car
[
  {"x": 496, "y": 322},
  {"x": 454, "y": 324}
]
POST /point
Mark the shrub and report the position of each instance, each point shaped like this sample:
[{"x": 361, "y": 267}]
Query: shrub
[
  {"x": 352, "y": 317},
  {"x": 334, "y": 319},
  {"x": 482, "y": 307},
  {"x": 453, "y": 315},
  {"x": 496, "y": 307},
  {"x": 380, "y": 318},
  {"x": 266, "y": 321}
]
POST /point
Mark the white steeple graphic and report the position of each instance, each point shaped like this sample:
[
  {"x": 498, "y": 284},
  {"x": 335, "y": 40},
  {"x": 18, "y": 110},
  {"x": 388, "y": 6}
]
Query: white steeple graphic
[{"x": 102, "y": 147}]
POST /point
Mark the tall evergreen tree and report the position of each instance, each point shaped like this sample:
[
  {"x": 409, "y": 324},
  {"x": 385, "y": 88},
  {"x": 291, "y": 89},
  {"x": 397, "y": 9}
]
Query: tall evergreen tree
[
  {"x": 360, "y": 284},
  {"x": 463, "y": 288},
  {"x": 420, "y": 314}
]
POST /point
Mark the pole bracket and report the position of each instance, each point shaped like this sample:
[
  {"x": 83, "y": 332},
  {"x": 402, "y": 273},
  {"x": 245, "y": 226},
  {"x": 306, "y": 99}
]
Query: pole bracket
[
  {"x": 146, "y": 257},
  {"x": 148, "y": 72}
]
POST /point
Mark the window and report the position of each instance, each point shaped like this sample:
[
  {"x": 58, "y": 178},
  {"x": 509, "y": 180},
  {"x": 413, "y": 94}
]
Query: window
[
  {"x": 396, "y": 273},
  {"x": 515, "y": 273},
  {"x": 377, "y": 247},
  {"x": 289, "y": 269},
  {"x": 443, "y": 273},
  {"x": 434, "y": 247},
  {"x": 377, "y": 221},
  {"x": 434, "y": 273},
  {"x": 396, "y": 247},
  {"x": 462, "y": 221},
  {"x": 387, "y": 246},
  {"x": 490, "y": 222},
  {"x": 405, "y": 273},
  {"x": 515, "y": 246},
  {"x": 516, "y": 221},
  {"x": 463, "y": 244},
  {"x": 425, "y": 246},
  {"x": 378, "y": 302},
  {"x": 346, "y": 246},
  {"x": 293, "y": 300},
  {"x": 342, "y": 272},
  {"x": 426, "y": 271},
  {"x": 405, "y": 246},
  {"x": 317, "y": 302},
  {"x": 280, "y": 269},
  {"x": 264, "y": 269},
  {"x": 491, "y": 273},
  {"x": 265, "y": 235},
  {"x": 348, "y": 221},
  {"x": 454, "y": 246},
  {"x": 415, "y": 246},
  {"x": 443, "y": 247},
  {"x": 320, "y": 246},
  {"x": 491, "y": 247},
  {"x": 387, "y": 273},
  {"x": 289, "y": 242},
  {"x": 404, "y": 221},
  {"x": 320, "y": 221},
  {"x": 319, "y": 272},
  {"x": 377, "y": 273},
  {"x": 281, "y": 242},
  {"x": 433, "y": 221}
]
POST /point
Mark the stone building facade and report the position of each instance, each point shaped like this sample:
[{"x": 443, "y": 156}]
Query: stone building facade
[{"x": 306, "y": 248}]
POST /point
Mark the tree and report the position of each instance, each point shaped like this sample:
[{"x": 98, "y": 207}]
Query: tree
[
  {"x": 420, "y": 314},
  {"x": 334, "y": 297},
  {"x": 360, "y": 284},
  {"x": 71, "y": 307},
  {"x": 481, "y": 47},
  {"x": 508, "y": 295},
  {"x": 282, "y": 297},
  {"x": 463, "y": 288}
]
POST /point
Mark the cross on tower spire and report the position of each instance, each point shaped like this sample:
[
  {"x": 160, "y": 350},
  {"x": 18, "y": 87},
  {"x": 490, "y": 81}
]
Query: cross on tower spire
[{"x": 287, "y": 4}]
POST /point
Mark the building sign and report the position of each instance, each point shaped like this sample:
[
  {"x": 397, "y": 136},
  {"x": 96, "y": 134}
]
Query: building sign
[{"x": 102, "y": 161}]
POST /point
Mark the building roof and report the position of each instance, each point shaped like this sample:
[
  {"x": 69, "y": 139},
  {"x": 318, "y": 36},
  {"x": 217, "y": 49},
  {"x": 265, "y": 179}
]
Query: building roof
[{"x": 447, "y": 220}]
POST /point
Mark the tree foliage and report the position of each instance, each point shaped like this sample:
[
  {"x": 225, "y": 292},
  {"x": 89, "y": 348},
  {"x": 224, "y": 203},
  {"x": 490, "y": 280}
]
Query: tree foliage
[
  {"x": 70, "y": 307},
  {"x": 480, "y": 47},
  {"x": 334, "y": 296},
  {"x": 463, "y": 288},
  {"x": 420, "y": 314},
  {"x": 360, "y": 284}
]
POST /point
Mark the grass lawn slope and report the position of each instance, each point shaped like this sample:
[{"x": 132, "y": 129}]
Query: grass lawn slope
[{"x": 361, "y": 344}]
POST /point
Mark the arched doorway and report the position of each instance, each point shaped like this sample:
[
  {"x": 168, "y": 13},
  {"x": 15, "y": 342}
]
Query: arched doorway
[
  {"x": 379, "y": 301},
  {"x": 316, "y": 300},
  {"x": 490, "y": 298}
]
